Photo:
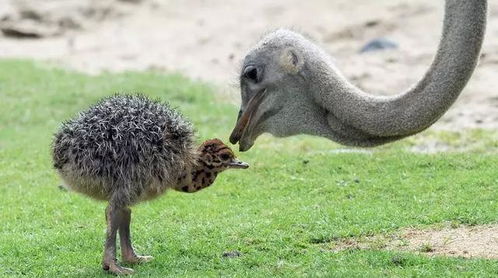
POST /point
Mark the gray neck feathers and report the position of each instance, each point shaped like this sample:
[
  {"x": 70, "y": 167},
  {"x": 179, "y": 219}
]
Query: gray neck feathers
[{"x": 358, "y": 118}]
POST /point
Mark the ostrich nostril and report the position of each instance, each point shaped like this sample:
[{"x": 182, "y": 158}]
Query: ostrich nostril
[
  {"x": 240, "y": 114},
  {"x": 252, "y": 73}
]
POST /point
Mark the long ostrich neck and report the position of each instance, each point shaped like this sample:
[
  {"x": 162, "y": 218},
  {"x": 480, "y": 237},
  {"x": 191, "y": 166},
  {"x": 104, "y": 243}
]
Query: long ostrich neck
[
  {"x": 381, "y": 119},
  {"x": 198, "y": 177}
]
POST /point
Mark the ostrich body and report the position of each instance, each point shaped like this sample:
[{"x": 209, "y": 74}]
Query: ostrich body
[
  {"x": 128, "y": 149},
  {"x": 290, "y": 86}
]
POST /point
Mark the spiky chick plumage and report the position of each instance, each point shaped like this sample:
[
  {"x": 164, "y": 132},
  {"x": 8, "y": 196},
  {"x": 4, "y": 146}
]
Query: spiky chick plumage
[{"x": 123, "y": 149}]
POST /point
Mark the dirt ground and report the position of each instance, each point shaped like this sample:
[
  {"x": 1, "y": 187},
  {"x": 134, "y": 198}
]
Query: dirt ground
[
  {"x": 208, "y": 39},
  {"x": 463, "y": 241}
]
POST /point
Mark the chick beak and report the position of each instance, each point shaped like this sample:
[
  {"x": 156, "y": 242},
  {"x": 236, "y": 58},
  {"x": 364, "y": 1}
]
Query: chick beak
[{"x": 237, "y": 164}]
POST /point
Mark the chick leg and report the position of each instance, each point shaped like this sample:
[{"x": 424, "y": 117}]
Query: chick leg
[
  {"x": 127, "y": 252},
  {"x": 114, "y": 217}
]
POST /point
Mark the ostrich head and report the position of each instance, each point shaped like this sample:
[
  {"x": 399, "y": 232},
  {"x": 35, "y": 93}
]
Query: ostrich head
[{"x": 274, "y": 88}]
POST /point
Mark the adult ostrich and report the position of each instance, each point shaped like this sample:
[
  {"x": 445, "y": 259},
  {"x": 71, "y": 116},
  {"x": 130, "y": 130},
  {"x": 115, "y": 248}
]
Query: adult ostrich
[{"x": 290, "y": 86}]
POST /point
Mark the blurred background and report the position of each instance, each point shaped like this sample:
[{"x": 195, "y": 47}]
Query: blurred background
[{"x": 208, "y": 39}]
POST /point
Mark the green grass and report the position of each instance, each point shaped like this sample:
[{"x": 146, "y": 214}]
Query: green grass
[{"x": 300, "y": 195}]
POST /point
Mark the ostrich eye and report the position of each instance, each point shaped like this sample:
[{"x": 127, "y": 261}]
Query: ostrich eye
[
  {"x": 251, "y": 73},
  {"x": 225, "y": 156}
]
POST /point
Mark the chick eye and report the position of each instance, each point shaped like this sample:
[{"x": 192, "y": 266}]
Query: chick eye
[{"x": 225, "y": 156}]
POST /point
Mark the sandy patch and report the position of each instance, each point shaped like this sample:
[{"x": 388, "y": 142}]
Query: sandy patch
[
  {"x": 467, "y": 242},
  {"x": 208, "y": 39}
]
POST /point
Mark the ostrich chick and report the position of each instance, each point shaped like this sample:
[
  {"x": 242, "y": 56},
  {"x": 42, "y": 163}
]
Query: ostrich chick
[{"x": 128, "y": 149}]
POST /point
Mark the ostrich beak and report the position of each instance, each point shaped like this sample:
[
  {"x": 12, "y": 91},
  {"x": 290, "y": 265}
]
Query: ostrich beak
[
  {"x": 245, "y": 117},
  {"x": 237, "y": 164}
]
